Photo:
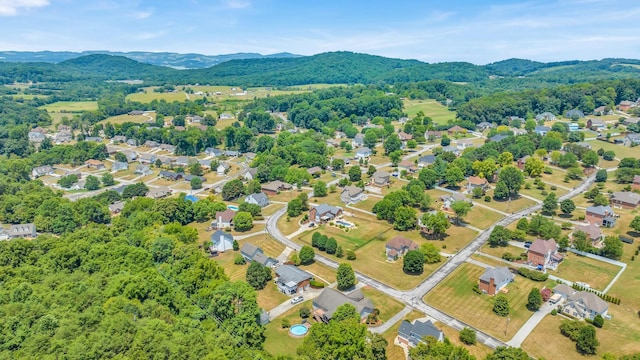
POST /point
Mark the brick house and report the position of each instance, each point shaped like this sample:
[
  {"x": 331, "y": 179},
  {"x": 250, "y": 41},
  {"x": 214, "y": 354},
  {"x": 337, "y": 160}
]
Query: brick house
[
  {"x": 544, "y": 253},
  {"x": 494, "y": 279},
  {"x": 601, "y": 216},
  {"x": 625, "y": 199},
  {"x": 398, "y": 246}
]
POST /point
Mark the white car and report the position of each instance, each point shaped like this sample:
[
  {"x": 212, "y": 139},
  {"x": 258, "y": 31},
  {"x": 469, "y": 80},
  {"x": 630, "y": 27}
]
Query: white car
[{"x": 297, "y": 299}]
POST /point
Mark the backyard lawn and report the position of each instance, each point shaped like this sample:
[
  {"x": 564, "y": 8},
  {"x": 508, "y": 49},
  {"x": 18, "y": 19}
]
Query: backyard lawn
[
  {"x": 512, "y": 206},
  {"x": 455, "y": 297},
  {"x": 596, "y": 273},
  {"x": 388, "y": 306},
  {"x": 482, "y": 217},
  {"x": 498, "y": 251},
  {"x": 620, "y": 151},
  {"x": 277, "y": 339}
]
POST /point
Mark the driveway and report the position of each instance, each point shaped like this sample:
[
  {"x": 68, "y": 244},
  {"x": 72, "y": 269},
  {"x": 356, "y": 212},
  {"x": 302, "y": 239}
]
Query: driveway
[
  {"x": 287, "y": 305},
  {"x": 531, "y": 324}
]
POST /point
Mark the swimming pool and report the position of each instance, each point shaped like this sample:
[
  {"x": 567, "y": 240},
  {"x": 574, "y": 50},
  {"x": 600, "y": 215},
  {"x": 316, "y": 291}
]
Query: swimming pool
[
  {"x": 232, "y": 207},
  {"x": 344, "y": 223},
  {"x": 298, "y": 330}
]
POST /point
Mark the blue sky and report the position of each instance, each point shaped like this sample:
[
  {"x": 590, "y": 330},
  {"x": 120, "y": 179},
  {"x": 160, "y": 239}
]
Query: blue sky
[{"x": 433, "y": 31}]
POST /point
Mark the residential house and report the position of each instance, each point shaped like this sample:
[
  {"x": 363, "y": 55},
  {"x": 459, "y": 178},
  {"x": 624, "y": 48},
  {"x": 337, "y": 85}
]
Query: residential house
[
  {"x": 225, "y": 116},
  {"x": 62, "y": 137},
  {"x": 146, "y": 158},
  {"x": 463, "y": 144},
  {"x": 165, "y": 160},
  {"x": 625, "y": 199},
  {"x": 352, "y": 194},
  {"x": 92, "y": 163},
  {"x": 329, "y": 300},
  {"x": 143, "y": 170},
  {"x": 413, "y": 334},
  {"x": 635, "y": 185},
  {"x": 324, "y": 212},
  {"x": 424, "y": 161},
  {"x": 4, "y": 235},
  {"x": 170, "y": 175},
  {"x": 498, "y": 137},
  {"x": 602, "y": 110},
  {"x": 432, "y": 133},
  {"x": 151, "y": 144},
  {"x": 452, "y": 149},
  {"x": 250, "y": 174},
  {"x": 159, "y": 192},
  {"x": 476, "y": 182},
  {"x": 357, "y": 141},
  {"x": 259, "y": 199},
  {"x": 542, "y": 130},
  {"x": 408, "y": 166},
  {"x": 363, "y": 153},
  {"x": 95, "y": 139},
  {"x": 596, "y": 124},
  {"x": 456, "y": 130},
  {"x": 564, "y": 291},
  {"x": 274, "y": 187},
  {"x": 132, "y": 142},
  {"x": 585, "y": 305},
  {"x": 223, "y": 219},
  {"x": 118, "y": 139},
  {"x": 484, "y": 126},
  {"x": 601, "y": 216},
  {"x": 117, "y": 207},
  {"x": 231, "y": 153},
  {"x": 182, "y": 161},
  {"x": 631, "y": 139},
  {"x": 522, "y": 161},
  {"x": 35, "y": 137},
  {"x": 220, "y": 242},
  {"x": 625, "y": 105},
  {"x": 211, "y": 151},
  {"x": 190, "y": 177},
  {"x": 196, "y": 119},
  {"x": 314, "y": 171},
  {"x": 631, "y": 121},
  {"x": 38, "y": 171},
  {"x": 119, "y": 166},
  {"x": 205, "y": 163},
  {"x": 135, "y": 113},
  {"x": 546, "y": 116},
  {"x": 222, "y": 168},
  {"x": 398, "y": 246},
  {"x": 573, "y": 126},
  {"x": 251, "y": 253},
  {"x": 290, "y": 279},
  {"x": 517, "y": 131},
  {"x": 339, "y": 135},
  {"x": 574, "y": 113},
  {"x": 494, "y": 279},
  {"x": 169, "y": 148},
  {"x": 404, "y": 137},
  {"x": 403, "y": 120},
  {"x": 592, "y": 231},
  {"x": 22, "y": 231},
  {"x": 131, "y": 155},
  {"x": 380, "y": 178},
  {"x": 544, "y": 253},
  {"x": 119, "y": 189},
  {"x": 449, "y": 199}
]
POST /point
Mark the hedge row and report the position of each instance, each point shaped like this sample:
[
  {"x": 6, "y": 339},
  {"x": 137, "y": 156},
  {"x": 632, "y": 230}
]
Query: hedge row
[{"x": 533, "y": 274}]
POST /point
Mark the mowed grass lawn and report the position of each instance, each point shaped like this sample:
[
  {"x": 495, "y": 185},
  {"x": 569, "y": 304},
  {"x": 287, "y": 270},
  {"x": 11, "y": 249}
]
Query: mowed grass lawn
[
  {"x": 597, "y": 274},
  {"x": 388, "y": 306},
  {"x": 431, "y": 108},
  {"x": 277, "y": 339},
  {"x": 71, "y": 106},
  {"x": 482, "y": 217},
  {"x": 512, "y": 206},
  {"x": 121, "y": 119},
  {"x": 455, "y": 297},
  {"x": 620, "y": 150}
]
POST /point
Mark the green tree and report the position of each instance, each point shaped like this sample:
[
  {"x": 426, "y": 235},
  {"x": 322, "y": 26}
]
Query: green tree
[
  {"x": 392, "y": 144},
  {"x": 378, "y": 344},
  {"x": 294, "y": 207},
  {"x": 587, "y": 343},
  {"x": 395, "y": 157},
  {"x": 355, "y": 174},
  {"x": 235, "y": 245},
  {"x": 612, "y": 248},
  {"x": 437, "y": 223},
  {"x": 453, "y": 175},
  {"x": 533, "y": 166},
  {"x": 233, "y": 190},
  {"x": 598, "y": 321},
  {"x": 306, "y": 255},
  {"x": 413, "y": 262},
  {"x": 600, "y": 200},
  {"x": 339, "y": 252},
  {"x": 567, "y": 206},
  {"x": 433, "y": 349},
  {"x": 635, "y": 224},
  {"x": 499, "y": 237},
  {"x": 601, "y": 176},
  {"x": 107, "y": 179},
  {"x": 535, "y": 300},
  {"x": 505, "y": 158},
  {"x": 370, "y": 139},
  {"x": 320, "y": 189},
  {"x": 445, "y": 140},
  {"x": 120, "y": 157},
  {"x": 331, "y": 246},
  {"x": 92, "y": 183},
  {"x": 477, "y": 192},
  {"x": 196, "y": 183},
  {"x": 345, "y": 276},
  {"x": 468, "y": 336},
  {"x": 431, "y": 253},
  {"x": 512, "y": 179},
  {"x": 254, "y": 209},
  {"x": 428, "y": 177},
  {"x": 196, "y": 169},
  {"x": 508, "y": 353},
  {"x": 501, "y": 305},
  {"x": 550, "y": 204},
  {"x": 135, "y": 190},
  {"x": 68, "y": 181},
  {"x": 242, "y": 221},
  {"x": 523, "y": 225},
  {"x": 580, "y": 241},
  {"x": 590, "y": 158},
  {"x": 461, "y": 208},
  {"x": 258, "y": 275},
  {"x": 404, "y": 218}
]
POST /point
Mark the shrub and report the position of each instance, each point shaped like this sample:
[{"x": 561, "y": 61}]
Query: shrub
[
  {"x": 305, "y": 312},
  {"x": 553, "y": 187},
  {"x": 476, "y": 289},
  {"x": 543, "y": 192},
  {"x": 468, "y": 336},
  {"x": 239, "y": 260},
  {"x": 487, "y": 198},
  {"x": 351, "y": 255},
  {"x": 554, "y": 312},
  {"x": 508, "y": 256},
  {"x": 598, "y": 321},
  {"x": 285, "y": 323},
  {"x": 316, "y": 284},
  {"x": 533, "y": 274}
]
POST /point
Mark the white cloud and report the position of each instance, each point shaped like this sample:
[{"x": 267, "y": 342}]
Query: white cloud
[
  {"x": 237, "y": 4},
  {"x": 149, "y": 35},
  {"x": 142, "y": 15},
  {"x": 11, "y": 7}
]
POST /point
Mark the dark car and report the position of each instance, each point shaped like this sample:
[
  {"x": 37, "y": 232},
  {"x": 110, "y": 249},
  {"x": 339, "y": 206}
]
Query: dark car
[{"x": 527, "y": 244}]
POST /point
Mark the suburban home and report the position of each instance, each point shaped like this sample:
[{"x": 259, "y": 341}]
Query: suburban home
[
  {"x": 222, "y": 168},
  {"x": 159, "y": 192},
  {"x": 380, "y": 178},
  {"x": 225, "y": 116},
  {"x": 251, "y": 253},
  {"x": 625, "y": 105},
  {"x": 398, "y": 246},
  {"x": 220, "y": 242},
  {"x": 408, "y": 165},
  {"x": 601, "y": 215},
  {"x": 223, "y": 219},
  {"x": 211, "y": 151},
  {"x": 146, "y": 158},
  {"x": 573, "y": 126},
  {"x": 170, "y": 175},
  {"x": 631, "y": 121},
  {"x": 250, "y": 174},
  {"x": 404, "y": 136},
  {"x": 135, "y": 113},
  {"x": 325, "y": 305},
  {"x": 403, "y": 120},
  {"x": 339, "y": 135},
  {"x": 143, "y": 170},
  {"x": 274, "y": 187},
  {"x": 62, "y": 137},
  {"x": 35, "y": 137},
  {"x": 205, "y": 163},
  {"x": 190, "y": 177},
  {"x": 38, "y": 171},
  {"x": 498, "y": 137},
  {"x": 324, "y": 212},
  {"x": 602, "y": 110},
  {"x": 476, "y": 182},
  {"x": 456, "y": 130},
  {"x": 522, "y": 161},
  {"x": 182, "y": 160},
  {"x": 92, "y": 163},
  {"x": 542, "y": 130},
  {"x": 544, "y": 253},
  {"x": 22, "y": 231},
  {"x": 484, "y": 126},
  {"x": 249, "y": 156},
  {"x": 168, "y": 148},
  {"x": 116, "y": 207},
  {"x": 119, "y": 166},
  {"x": 131, "y": 156},
  {"x": 132, "y": 142},
  {"x": 449, "y": 199},
  {"x": 314, "y": 171},
  {"x": 291, "y": 280},
  {"x": 592, "y": 231},
  {"x": 463, "y": 144},
  {"x": 95, "y": 139},
  {"x": 494, "y": 279},
  {"x": 546, "y": 116},
  {"x": 363, "y": 153},
  {"x": 432, "y": 133},
  {"x": 581, "y": 304},
  {"x": 357, "y": 141},
  {"x": 424, "y": 161},
  {"x": 636, "y": 182},
  {"x": 596, "y": 124},
  {"x": 118, "y": 139},
  {"x": 259, "y": 199},
  {"x": 625, "y": 199},
  {"x": 166, "y": 160},
  {"x": 517, "y": 131},
  {"x": 352, "y": 194},
  {"x": 119, "y": 189},
  {"x": 574, "y": 113},
  {"x": 151, "y": 144},
  {"x": 631, "y": 140},
  {"x": 195, "y": 119},
  {"x": 231, "y": 153},
  {"x": 413, "y": 334}
]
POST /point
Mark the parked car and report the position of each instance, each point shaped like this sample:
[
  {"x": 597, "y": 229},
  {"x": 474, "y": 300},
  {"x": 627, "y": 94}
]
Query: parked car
[
  {"x": 312, "y": 224},
  {"x": 297, "y": 299},
  {"x": 527, "y": 244}
]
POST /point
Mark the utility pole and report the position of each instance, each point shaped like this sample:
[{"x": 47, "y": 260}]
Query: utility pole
[{"x": 507, "y": 327}]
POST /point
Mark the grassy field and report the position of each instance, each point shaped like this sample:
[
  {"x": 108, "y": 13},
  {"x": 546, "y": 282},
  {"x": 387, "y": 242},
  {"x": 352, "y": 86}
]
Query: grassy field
[
  {"x": 481, "y": 217},
  {"x": 620, "y": 150},
  {"x": 456, "y": 297},
  {"x": 277, "y": 339},
  {"x": 121, "y": 119},
  {"x": 149, "y": 95},
  {"x": 388, "y": 306},
  {"x": 498, "y": 251},
  {"x": 71, "y": 106},
  {"x": 513, "y": 206},
  {"x": 431, "y": 108},
  {"x": 596, "y": 273},
  {"x": 367, "y": 229},
  {"x": 479, "y": 350}
]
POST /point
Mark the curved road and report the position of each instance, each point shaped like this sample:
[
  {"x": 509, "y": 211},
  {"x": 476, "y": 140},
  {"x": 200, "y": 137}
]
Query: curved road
[{"x": 414, "y": 296}]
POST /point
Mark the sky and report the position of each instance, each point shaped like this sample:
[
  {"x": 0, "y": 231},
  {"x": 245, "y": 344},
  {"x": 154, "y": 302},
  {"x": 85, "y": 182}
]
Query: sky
[{"x": 476, "y": 31}]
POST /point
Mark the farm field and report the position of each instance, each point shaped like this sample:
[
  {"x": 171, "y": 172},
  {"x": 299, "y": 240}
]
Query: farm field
[
  {"x": 121, "y": 119},
  {"x": 431, "y": 108},
  {"x": 70, "y": 106}
]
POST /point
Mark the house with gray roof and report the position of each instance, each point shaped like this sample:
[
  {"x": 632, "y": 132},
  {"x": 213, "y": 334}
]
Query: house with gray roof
[
  {"x": 542, "y": 130},
  {"x": 132, "y": 142},
  {"x": 211, "y": 151},
  {"x": 625, "y": 199},
  {"x": 151, "y": 144},
  {"x": 357, "y": 141},
  {"x": 22, "y": 231},
  {"x": 38, "y": 171},
  {"x": 574, "y": 113},
  {"x": 413, "y": 334},
  {"x": 168, "y": 147},
  {"x": 250, "y": 174},
  {"x": 117, "y": 207},
  {"x": 159, "y": 192},
  {"x": 274, "y": 187},
  {"x": 424, "y": 161},
  {"x": 363, "y": 153},
  {"x": 231, "y": 153},
  {"x": 251, "y": 253},
  {"x": 182, "y": 160},
  {"x": 352, "y": 194},
  {"x": 118, "y": 139},
  {"x": 584, "y": 305},
  {"x": 119, "y": 166},
  {"x": 96, "y": 139},
  {"x": 325, "y": 305},
  {"x": 170, "y": 175},
  {"x": 205, "y": 163},
  {"x": 380, "y": 178},
  {"x": 220, "y": 242},
  {"x": 601, "y": 216},
  {"x": 592, "y": 231},
  {"x": 449, "y": 199},
  {"x": 259, "y": 199},
  {"x": 35, "y": 136},
  {"x": 485, "y": 125},
  {"x": 494, "y": 279},
  {"x": 398, "y": 246},
  {"x": 631, "y": 140},
  {"x": 146, "y": 158},
  {"x": 324, "y": 212},
  {"x": 290, "y": 279},
  {"x": 546, "y": 116},
  {"x": 498, "y": 137},
  {"x": 143, "y": 170}
]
